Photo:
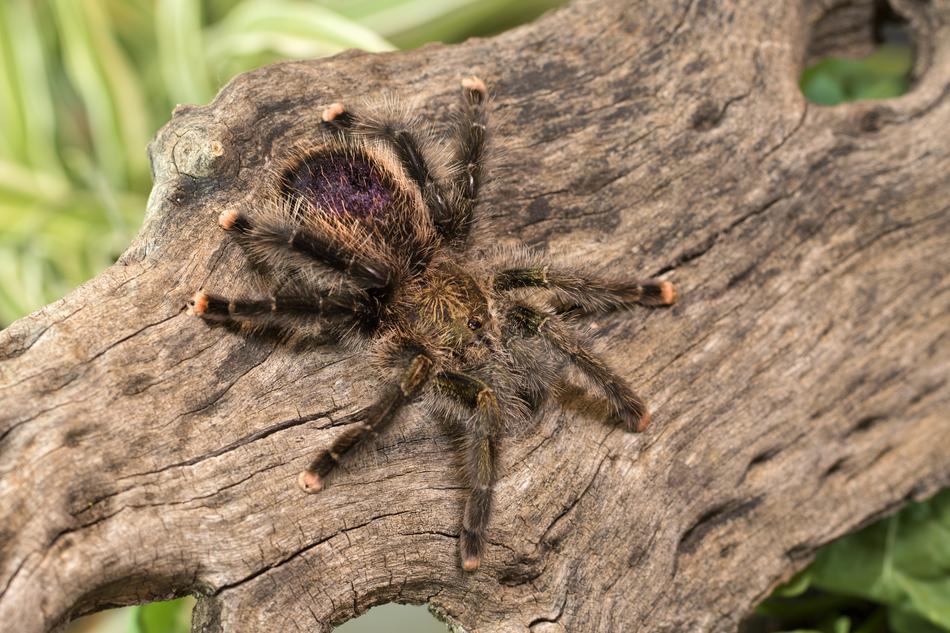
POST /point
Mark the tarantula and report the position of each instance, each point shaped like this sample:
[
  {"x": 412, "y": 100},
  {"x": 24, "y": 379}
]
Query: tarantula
[{"x": 370, "y": 237}]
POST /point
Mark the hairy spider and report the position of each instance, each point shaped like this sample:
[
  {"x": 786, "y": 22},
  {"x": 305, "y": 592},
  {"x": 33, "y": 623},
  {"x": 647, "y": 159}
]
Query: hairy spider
[{"x": 370, "y": 237}]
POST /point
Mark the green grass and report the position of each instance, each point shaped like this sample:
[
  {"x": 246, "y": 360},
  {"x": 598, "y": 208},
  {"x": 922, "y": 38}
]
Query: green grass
[{"x": 84, "y": 84}]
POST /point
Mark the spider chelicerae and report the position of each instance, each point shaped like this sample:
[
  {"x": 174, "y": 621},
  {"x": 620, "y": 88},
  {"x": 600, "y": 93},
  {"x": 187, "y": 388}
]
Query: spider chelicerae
[{"x": 371, "y": 237}]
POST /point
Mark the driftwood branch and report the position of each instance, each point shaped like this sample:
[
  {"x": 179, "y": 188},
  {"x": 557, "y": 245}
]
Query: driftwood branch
[{"x": 799, "y": 388}]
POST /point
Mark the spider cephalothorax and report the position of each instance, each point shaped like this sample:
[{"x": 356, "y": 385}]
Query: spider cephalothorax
[{"x": 369, "y": 236}]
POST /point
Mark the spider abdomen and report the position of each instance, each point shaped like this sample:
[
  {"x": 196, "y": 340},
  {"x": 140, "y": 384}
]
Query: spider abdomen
[{"x": 344, "y": 184}]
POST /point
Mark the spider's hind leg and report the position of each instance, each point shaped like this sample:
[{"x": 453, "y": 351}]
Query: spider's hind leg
[
  {"x": 480, "y": 455},
  {"x": 370, "y": 420},
  {"x": 627, "y": 405}
]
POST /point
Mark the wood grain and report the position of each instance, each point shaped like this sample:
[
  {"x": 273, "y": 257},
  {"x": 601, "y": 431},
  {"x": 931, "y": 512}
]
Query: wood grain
[{"x": 799, "y": 388}]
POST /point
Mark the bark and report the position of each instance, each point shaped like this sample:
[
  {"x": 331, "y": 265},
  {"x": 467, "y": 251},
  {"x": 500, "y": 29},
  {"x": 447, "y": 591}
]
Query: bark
[{"x": 799, "y": 388}]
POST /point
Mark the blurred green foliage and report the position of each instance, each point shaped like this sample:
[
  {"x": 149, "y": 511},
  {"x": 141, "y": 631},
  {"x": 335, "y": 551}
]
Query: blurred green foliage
[
  {"x": 84, "y": 84},
  {"x": 892, "y": 576},
  {"x": 173, "y": 616},
  {"x": 881, "y": 75}
]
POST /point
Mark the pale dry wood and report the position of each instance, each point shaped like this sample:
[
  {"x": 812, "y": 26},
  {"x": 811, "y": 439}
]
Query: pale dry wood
[{"x": 799, "y": 388}]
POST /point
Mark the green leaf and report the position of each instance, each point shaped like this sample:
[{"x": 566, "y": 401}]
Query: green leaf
[
  {"x": 796, "y": 586},
  {"x": 258, "y": 32},
  {"x": 902, "y": 562},
  {"x": 288, "y": 29},
  {"x": 110, "y": 91},
  {"x": 903, "y": 621},
  {"x": 411, "y": 23},
  {"x": 181, "y": 52},
  {"x": 27, "y": 114},
  {"x": 839, "y": 624},
  {"x": 883, "y": 88},
  {"x": 881, "y": 75},
  {"x": 822, "y": 87},
  {"x": 842, "y": 625},
  {"x": 890, "y": 60},
  {"x": 173, "y": 616}
]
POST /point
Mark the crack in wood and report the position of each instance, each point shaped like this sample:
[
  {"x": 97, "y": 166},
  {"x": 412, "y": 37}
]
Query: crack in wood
[
  {"x": 711, "y": 519},
  {"x": 300, "y": 552}
]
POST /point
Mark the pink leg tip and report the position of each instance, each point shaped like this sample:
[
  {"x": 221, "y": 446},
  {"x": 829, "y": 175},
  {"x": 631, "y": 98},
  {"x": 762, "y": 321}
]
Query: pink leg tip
[
  {"x": 471, "y": 563},
  {"x": 199, "y": 304},
  {"x": 644, "y": 422},
  {"x": 227, "y": 219},
  {"x": 475, "y": 84},
  {"x": 332, "y": 112},
  {"x": 667, "y": 293},
  {"x": 309, "y": 481}
]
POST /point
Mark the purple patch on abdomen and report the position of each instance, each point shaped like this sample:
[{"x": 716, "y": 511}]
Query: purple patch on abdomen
[{"x": 341, "y": 184}]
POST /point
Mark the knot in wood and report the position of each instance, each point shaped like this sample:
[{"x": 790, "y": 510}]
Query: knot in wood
[{"x": 203, "y": 152}]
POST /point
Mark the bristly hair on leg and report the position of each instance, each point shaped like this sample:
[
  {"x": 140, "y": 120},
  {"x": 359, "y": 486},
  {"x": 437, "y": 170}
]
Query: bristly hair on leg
[{"x": 373, "y": 233}]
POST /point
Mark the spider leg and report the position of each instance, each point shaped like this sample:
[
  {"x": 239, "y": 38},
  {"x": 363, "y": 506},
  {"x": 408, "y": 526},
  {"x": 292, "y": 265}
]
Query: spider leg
[
  {"x": 586, "y": 293},
  {"x": 408, "y": 147},
  {"x": 471, "y": 135},
  {"x": 291, "y": 245},
  {"x": 278, "y": 309},
  {"x": 481, "y": 448},
  {"x": 628, "y": 406},
  {"x": 369, "y": 420}
]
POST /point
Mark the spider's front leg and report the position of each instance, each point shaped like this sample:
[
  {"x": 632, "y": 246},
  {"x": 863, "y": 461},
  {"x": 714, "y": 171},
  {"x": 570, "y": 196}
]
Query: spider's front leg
[
  {"x": 481, "y": 446},
  {"x": 369, "y": 421},
  {"x": 471, "y": 134},
  {"x": 279, "y": 310},
  {"x": 283, "y": 245},
  {"x": 586, "y": 293},
  {"x": 627, "y": 405},
  {"x": 278, "y": 242}
]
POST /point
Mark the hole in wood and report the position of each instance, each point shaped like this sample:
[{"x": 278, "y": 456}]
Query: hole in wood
[
  {"x": 394, "y": 618},
  {"x": 172, "y": 616},
  {"x": 858, "y": 50}
]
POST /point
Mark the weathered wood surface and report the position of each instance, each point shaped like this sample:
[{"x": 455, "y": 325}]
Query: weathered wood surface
[{"x": 799, "y": 388}]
